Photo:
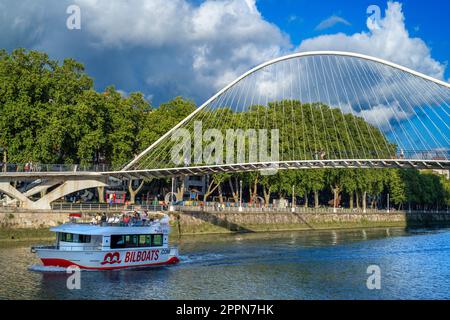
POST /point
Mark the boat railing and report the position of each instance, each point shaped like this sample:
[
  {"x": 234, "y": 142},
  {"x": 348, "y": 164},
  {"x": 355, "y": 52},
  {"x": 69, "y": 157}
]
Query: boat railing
[
  {"x": 44, "y": 247},
  {"x": 141, "y": 223},
  {"x": 80, "y": 248},
  {"x": 67, "y": 248}
]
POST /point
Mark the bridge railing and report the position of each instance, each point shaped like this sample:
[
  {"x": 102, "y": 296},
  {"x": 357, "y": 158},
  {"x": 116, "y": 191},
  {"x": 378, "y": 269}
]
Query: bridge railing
[
  {"x": 319, "y": 155},
  {"x": 39, "y": 167},
  {"x": 424, "y": 154},
  {"x": 400, "y": 154}
]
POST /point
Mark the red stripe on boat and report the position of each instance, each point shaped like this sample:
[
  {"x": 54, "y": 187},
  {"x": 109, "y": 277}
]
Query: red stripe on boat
[{"x": 66, "y": 263}]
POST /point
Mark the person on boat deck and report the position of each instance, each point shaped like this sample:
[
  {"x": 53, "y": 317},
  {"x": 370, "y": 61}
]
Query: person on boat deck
[
  {"x": 103, "y": 218},
  {"x": 135, "y": 217},
  {"x": 144, "y": 217},
  {"x": 126, "y": 219}
]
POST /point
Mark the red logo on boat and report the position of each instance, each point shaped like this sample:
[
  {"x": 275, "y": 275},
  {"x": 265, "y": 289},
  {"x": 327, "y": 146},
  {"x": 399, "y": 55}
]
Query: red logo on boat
[{"x": 111, "y": 258}]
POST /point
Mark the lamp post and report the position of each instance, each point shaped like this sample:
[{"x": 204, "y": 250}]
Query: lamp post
[
  {"x": 293, "y": 199},
  {"x": 240, "y": 195},
  {"x": 388, "y": 203},
  {"x": 334, "y": 203},
  {"x": 171, "y": 207}
]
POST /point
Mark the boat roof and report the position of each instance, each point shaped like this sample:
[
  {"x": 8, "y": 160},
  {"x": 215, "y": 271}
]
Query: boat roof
[{"x": 91, "y": 229}]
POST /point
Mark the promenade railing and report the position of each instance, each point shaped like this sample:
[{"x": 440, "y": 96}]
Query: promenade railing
[
  {"x": 67, "y": 206},
  {"x": 299, "y": 209}
]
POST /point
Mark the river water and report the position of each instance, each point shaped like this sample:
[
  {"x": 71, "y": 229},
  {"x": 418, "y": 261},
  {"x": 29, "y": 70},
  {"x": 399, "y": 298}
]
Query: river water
[{"x": 413, "y": 264}]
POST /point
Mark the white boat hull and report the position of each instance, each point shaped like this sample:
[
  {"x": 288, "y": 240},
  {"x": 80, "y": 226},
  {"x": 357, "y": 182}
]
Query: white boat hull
[{"x": 108, "y": 259}]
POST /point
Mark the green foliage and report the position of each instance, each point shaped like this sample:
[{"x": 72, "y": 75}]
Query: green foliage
[
  {"x": 160, "y": 120},
  {"x": 396, "y": 186},
  {"x": 445, "y": 182},
  {"x": 50, "y": 113}
]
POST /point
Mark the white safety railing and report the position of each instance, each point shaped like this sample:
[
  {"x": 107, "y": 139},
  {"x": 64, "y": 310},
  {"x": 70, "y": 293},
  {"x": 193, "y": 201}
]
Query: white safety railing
[
  {"x": 299, "y": 209},
  {"x": 67, "y": 248},
  {"x": 64, "y": 206}
]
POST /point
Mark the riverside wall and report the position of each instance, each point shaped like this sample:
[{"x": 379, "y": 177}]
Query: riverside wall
[{"x": 192, "y": 222}]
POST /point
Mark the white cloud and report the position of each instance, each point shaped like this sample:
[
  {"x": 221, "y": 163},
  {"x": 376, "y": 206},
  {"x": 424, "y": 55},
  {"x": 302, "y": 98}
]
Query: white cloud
[
  {"x": 391, "y": 42},
  {"x": 215, "y": 41},
  {"x": 382, "y": 116},
  {"x": 292, "y": 17},
  {"x": 330, "y": 22},
  {"x": 181, "y": 47}
]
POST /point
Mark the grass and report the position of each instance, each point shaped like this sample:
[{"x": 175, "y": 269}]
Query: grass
[{"x": 25, "y": 234}]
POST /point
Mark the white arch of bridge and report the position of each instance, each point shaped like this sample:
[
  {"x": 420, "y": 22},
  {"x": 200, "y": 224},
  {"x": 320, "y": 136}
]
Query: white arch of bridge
[{"x": 274, "y": 61}]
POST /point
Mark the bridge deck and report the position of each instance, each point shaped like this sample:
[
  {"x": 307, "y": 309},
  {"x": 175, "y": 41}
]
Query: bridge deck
[{"x": 244, "y": 167}]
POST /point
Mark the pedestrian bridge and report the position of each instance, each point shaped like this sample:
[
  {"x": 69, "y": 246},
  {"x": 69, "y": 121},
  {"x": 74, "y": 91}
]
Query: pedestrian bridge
[{"x": 322, "y": 109}]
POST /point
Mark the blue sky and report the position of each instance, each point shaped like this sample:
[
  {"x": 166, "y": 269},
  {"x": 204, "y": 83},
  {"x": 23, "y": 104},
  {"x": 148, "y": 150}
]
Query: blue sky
[
  {"x": 193, "y": 48},
  {"x": 428, "y": 20}
]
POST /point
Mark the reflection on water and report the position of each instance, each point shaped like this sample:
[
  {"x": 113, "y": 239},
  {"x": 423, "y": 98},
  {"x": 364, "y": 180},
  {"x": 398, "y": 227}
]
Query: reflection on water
[{"x": 290, "y": 265}]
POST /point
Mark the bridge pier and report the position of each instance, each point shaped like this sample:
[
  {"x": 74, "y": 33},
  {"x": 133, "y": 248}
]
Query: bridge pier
[{"x": 67, "y": 186}]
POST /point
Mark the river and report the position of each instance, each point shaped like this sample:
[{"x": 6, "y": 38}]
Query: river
[{"x": 413, "y": 264}]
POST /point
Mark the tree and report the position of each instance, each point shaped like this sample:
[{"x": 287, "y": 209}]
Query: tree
[
  {"x": 282, "y": 182},
  {"x": 396, "y": 187},
  {"x": 301, "y": 180},
  {"x": 267, "y": 184},
  {"x": 124, "y": 124},
  {"x": 445, "y": 182},
  {"x": 33, "y": 92},
  {"x": 215, "y": 182},
  {"x": 134, "y": 192},
  {"x": 375, "y": 184},
  {"x": 160, "y": 120},
  {"x": 317, "y": 183},
  {"x": 233, "y": 183},
  {"x": 350, "y": 184},
  {"x": 335, "y": 179}
]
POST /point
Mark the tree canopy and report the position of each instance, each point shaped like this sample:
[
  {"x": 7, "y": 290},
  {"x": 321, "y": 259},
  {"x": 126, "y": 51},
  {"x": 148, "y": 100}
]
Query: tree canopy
[{"x": 50, "y": 113}]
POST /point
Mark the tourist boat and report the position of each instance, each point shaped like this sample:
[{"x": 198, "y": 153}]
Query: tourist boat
[{"x": 111, "y": 244}]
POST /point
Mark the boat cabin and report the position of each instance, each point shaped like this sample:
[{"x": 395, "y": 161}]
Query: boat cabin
[{"x": 73, "y": 236}]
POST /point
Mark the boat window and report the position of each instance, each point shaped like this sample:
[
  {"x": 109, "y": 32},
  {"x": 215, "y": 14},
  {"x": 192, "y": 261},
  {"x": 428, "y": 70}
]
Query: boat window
[
  {"x": 144, "y": 240},
  {"x": 133, "y": 241},
  {"x": 83, "y": 238},
  {"x": 118, "y": 241},
  {"x": 157, "y": 240},
  {"x": 75, "y": 238}
]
